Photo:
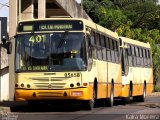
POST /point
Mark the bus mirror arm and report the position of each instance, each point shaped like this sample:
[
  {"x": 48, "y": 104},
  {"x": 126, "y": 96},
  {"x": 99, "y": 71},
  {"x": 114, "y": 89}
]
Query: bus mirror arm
[{"x": 88, "y": 31}]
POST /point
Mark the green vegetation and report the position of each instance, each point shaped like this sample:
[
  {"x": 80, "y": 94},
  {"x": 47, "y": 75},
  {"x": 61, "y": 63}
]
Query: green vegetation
[{"x": 136, "y": 19}]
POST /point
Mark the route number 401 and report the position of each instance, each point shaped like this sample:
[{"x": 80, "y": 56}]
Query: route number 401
[{"x": 37, "y": 39}]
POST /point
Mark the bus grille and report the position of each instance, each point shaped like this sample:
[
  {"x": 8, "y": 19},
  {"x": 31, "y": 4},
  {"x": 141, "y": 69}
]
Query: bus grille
[{"x": 49, "y": 83}]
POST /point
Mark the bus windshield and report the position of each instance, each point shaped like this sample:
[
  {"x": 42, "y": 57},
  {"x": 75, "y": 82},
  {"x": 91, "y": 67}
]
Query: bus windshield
[{"x": 59, "y": 51}]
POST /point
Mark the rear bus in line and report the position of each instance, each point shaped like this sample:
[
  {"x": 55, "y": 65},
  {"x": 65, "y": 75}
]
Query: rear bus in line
[
  {"x": 66, "y": 59},
  {"x": 137, "y": 69}
]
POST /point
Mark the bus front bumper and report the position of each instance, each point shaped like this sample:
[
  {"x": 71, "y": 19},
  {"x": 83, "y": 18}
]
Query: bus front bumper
[{"x": 77, "y": 94}]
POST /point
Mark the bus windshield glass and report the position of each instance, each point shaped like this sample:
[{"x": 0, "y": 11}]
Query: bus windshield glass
[{"x": 58, "y": 51}]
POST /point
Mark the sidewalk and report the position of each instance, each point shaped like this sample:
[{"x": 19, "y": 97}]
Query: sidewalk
[
  {"x": 4, "y": 109},
  {"x": 154, "y": 94}
]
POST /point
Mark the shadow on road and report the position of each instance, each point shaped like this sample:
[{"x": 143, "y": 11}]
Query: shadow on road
[{"x": 60, "y": 106}]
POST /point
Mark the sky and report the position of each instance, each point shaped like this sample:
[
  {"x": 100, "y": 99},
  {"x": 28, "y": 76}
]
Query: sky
[{"x": 4, "y": 11}]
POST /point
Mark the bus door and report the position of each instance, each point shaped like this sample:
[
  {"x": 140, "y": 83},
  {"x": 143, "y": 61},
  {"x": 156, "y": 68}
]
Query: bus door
[{"x": 124, "y": 61}]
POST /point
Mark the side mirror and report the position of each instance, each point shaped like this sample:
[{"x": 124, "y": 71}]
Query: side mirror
[{"x": 9, "y": 47}]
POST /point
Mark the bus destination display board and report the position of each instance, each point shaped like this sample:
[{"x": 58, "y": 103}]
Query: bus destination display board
[{"x": 50, "y": 25}]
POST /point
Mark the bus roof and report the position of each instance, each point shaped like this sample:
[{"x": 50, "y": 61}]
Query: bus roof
[
  {"x": 86, "y": 22},
  {"x": 100, "y": 28},
  {"x": 135, "y": 42}
]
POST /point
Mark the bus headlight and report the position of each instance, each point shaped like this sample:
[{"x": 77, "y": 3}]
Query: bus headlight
[
  {"x": 16, "y": 85},
  {"x": 71, "y": 85},
  {"x": 22, "y": 85},
  {"x": 28, "y": 86},
  {"x": 78, "y": 84}
]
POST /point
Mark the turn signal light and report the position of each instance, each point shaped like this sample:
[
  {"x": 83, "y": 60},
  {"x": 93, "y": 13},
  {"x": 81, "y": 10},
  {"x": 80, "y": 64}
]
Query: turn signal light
[{"x": 85, "y": 84}]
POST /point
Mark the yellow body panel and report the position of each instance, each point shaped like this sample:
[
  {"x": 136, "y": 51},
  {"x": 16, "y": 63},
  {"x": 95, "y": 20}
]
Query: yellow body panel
[{"x": 23, "y": 95}]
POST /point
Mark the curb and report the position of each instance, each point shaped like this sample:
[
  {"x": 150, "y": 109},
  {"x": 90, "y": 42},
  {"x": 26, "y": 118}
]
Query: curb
[
  {"x": 154, "y": 94},
  {"x": 4, "y": 109}
]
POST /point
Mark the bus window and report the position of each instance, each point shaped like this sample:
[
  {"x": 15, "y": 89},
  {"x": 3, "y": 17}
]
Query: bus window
[
  {"x": 129, "y": 55},
  {"x": 148, "y": 58},
  {"x": 108, "y": 49},
  {"x": 104, "y": 49},
  {"x": 99, "y": 52},
  {"x": 145, "y": 57},
  {"x": 112, "y": 50},
  {"x": 116, "y": 51},
  {"x": 134, "y": 56},
  {"x": 95, "y": 49},
  {"x": 102, "y": 41}
]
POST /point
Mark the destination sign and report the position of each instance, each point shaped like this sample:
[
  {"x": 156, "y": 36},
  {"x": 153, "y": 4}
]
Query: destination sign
[
  {"x": 50, "y": 25},
  {"x": 56, "y": 27}
]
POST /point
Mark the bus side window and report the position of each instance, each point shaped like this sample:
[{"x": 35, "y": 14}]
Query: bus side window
[
  {"x": 118, "y": 48},
  {"x": 149, "y": 58},
  {"x": 138, "y": 56},
  {"x": 99, "y": 52},
  {"x": 103, "y": 44},
  {"x": 141, "y": 57},
  {"x": 112, "y": 50},
  {"x": 129, "y": 55},
  {"x": 108, "y": 49},
  {"x": 95, "y": 50},
  {"x": 116, "y": 51},
  {"x": 134, "y": 56},
  {"x": 126, "y": 57},
  {"x": 145, "y": 57}
]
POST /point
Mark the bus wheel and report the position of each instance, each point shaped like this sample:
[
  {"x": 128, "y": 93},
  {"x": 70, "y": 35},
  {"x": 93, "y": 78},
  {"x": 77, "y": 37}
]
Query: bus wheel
[
  {"x": 89, "y": 104},
  {"x": 142, "y": 98},
  {"x": 111, "y": 99}
]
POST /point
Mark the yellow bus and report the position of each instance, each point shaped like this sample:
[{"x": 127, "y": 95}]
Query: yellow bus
[
  {"x": 67, "y": 59},
  {"x": 137, "y": 69}
]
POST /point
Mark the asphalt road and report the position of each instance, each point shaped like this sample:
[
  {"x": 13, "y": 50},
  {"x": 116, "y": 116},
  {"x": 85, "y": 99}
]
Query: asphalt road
[{"x": 148, "y": 110}]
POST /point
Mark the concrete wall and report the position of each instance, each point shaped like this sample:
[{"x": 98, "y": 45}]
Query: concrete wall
[
  {"x": 4, "y": 84},
  {"x": 73, "y": 9},
  {"x": 4, "y": 75}
]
